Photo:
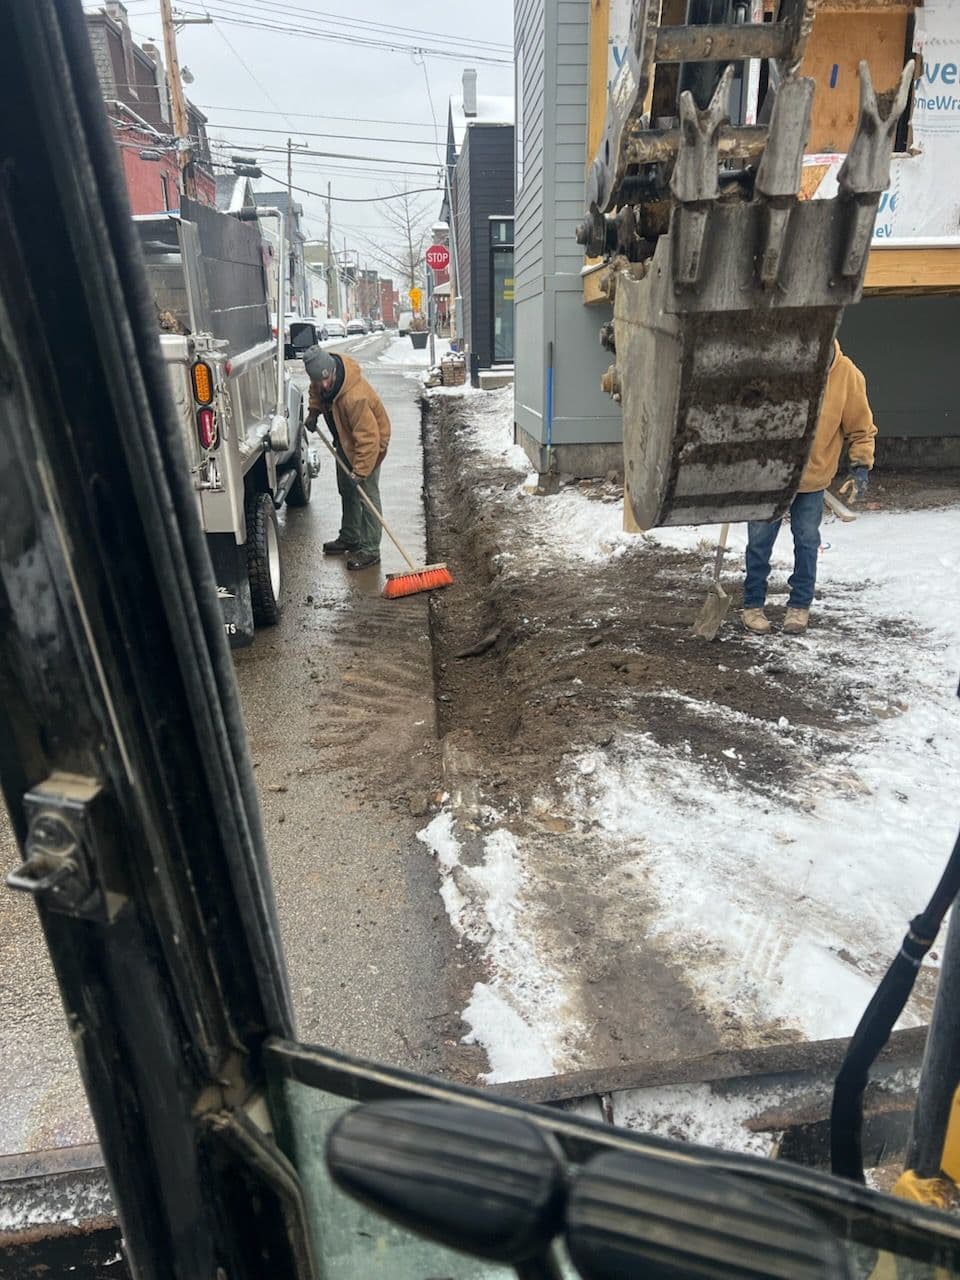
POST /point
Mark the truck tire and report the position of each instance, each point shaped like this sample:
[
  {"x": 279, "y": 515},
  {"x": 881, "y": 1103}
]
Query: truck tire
[
  {"x": 299, "y": 494},
  {"x": 263, "y": 559}
]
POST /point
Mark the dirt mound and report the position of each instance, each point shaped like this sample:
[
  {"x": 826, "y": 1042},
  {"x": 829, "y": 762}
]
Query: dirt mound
[{"x": 569, "y": 652}]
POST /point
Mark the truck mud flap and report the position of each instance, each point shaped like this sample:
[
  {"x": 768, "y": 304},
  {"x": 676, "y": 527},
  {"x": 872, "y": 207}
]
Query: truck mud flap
[{"x": 233, "y": 588}]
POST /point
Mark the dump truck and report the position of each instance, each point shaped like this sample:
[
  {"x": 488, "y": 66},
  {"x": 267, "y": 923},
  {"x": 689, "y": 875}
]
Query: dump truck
[{"x": 240, "y": 412}]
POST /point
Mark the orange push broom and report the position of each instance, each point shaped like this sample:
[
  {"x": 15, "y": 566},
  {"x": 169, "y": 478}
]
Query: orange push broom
[{"x": 429, "y": 577}]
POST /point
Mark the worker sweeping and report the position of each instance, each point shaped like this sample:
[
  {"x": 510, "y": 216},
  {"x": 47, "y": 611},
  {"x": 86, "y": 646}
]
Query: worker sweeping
[
  {"x": 360, "y": 428},
  {"x": 845, "y": 416}
]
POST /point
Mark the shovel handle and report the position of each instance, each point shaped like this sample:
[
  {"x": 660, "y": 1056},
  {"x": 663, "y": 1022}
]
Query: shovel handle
[{"x": 721, "y": 548}]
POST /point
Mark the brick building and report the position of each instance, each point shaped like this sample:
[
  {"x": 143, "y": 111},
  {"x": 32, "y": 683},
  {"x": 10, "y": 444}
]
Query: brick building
[
  {"x": 388, "y": 303},
  {"x": 134, "y": 86}
]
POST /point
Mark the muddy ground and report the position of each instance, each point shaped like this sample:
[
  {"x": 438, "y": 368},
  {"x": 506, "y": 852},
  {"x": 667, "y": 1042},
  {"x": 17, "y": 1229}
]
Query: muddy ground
[{"x": 532, "y": 663}]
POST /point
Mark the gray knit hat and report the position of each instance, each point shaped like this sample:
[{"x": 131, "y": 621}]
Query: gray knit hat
[{"x": 319, "y": 364}]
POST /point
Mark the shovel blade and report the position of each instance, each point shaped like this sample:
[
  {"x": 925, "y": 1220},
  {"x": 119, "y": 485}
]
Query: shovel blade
[{"x": 710, "y": 618}]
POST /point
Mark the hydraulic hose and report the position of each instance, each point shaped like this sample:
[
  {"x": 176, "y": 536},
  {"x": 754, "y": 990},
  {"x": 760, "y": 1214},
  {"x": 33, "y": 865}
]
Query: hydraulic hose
[{"x": 873, "y": 1031}]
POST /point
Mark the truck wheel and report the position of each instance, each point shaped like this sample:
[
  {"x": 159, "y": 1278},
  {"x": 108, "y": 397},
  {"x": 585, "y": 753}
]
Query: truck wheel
[
  {"x": 263, "y": 559},
  {"x": 299, "y": 494}
]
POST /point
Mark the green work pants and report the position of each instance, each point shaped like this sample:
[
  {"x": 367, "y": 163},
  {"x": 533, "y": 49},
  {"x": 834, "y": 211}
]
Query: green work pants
[{"x": 358, "y": 528}]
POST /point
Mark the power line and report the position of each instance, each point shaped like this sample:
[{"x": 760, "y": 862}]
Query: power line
[
  {"x": 319, "y": 115},
  {"x": 321, "y": 195},
  {"x": 297, "y": 13},
  {"x": 248, "y": 145},
  {"x": 457, "y": 54},
  {"x": 313, "y": 133},
  {"x": 236, "y": 53},
  {"x": 362, "y": 173},
  {"x": 459, "y": 48}
]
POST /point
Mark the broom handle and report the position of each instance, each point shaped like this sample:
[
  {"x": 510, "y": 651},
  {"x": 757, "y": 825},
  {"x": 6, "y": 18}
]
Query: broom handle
[{"x": 368, "y": 501}]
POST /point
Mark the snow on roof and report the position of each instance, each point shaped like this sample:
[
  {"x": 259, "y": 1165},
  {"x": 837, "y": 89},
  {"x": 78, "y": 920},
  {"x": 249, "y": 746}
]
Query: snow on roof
[
  {"x": 490, "y": 110},
  {"x": 233, "y": 193}
]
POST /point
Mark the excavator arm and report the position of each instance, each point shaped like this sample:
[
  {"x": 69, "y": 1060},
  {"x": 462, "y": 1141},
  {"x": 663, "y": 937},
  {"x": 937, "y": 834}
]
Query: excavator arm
[{"x": 728, "y": 289}]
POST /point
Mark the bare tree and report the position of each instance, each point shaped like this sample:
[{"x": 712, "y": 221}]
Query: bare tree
[{"x": 408, "y": 220}]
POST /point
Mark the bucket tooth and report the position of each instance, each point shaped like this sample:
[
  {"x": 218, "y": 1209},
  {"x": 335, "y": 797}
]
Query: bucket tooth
[
  {"x": 781, "y": 171},
  {"x": 865, "y": 172},
  {"x": 695, "y": 185}
]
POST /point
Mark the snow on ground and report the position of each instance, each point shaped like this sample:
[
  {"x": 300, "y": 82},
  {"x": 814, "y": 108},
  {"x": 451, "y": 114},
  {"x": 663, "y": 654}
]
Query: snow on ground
[
  {"x": 402, "y": 352},
  {"x": 518, "y": 1015},
  {"x": 758, "y": 898},
  {"x": 757, "y": 895}
]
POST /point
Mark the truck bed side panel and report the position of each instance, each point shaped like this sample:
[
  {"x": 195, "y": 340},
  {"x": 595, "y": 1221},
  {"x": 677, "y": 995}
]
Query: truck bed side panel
[{"x": 234, "y": 281}]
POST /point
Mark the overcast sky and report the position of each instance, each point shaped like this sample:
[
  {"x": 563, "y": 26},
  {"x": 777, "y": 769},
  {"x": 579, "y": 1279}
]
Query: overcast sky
[{"x": 329, "y": 95}]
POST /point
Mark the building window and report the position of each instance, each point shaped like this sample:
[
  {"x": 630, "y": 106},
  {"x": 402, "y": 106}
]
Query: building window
[
  {"x": 165, "y": 188},
  {"x": 501, "y": 275}
]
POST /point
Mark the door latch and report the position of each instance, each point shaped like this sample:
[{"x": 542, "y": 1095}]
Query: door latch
[{"x": 71, "y": 861}]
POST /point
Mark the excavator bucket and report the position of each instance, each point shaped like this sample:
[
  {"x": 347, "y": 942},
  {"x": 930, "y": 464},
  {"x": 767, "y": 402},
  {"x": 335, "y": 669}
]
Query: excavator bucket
[{"x": 728, "y": 289}]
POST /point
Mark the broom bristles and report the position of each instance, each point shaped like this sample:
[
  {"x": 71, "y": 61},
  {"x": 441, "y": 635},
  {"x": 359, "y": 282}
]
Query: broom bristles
[{"x": 430, "y": 578}]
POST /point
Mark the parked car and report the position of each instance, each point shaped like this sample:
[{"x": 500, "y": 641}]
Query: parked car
[
  {"x": 357, "y": 326},
  {"x": 404, "y": 322},
  {"x": 304, "y": 332},
  {"x": 335, "y": 327},
  {"x": 299, "y": 333},
  {"x": 378, "y": 326}
]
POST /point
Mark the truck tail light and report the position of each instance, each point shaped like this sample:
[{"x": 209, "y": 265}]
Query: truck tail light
[
  {"x": 207, "y": 428},
  {"x": 202, "y": 382}
]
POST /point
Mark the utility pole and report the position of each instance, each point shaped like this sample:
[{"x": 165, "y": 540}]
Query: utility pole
[
  {"x": 346, "y": 281},
  {"x": 293, "y": 257},
  {"x": 333, "y": 293},
  {"x": 178, "y": 105}
]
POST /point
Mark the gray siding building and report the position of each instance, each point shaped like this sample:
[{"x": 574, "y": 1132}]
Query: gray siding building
[
  {"x": 563, "y": 420},
  {"x": 480, "y": 157},
  {"x": 577, "y": 428}
]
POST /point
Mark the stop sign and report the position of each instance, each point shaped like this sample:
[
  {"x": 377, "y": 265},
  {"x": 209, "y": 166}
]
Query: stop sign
[{"x": 438, "y": 257}]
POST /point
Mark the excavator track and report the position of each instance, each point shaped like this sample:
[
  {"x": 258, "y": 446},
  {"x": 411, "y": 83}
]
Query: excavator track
[{"x": 728, "y": 289}]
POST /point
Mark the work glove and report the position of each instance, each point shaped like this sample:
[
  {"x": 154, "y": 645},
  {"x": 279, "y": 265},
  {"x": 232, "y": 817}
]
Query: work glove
[
  {"x": 310, "y": 421},
  {"x": 856, "y": 484}
]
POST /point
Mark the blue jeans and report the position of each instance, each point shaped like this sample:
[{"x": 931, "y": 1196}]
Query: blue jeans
[{"x": 805, "y": 513}]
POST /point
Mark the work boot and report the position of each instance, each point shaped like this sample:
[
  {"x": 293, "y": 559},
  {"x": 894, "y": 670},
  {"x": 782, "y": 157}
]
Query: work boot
[
  {"x": 756, "y": 620},
  {"x": 795, "y": 622},
  {"x": 363, "y": 560},
  {"x": 338, "y": 547}
]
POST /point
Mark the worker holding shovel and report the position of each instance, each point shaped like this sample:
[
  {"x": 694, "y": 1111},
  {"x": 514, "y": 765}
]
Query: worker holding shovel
[
  {"x": 845, "y": 417},
  {"x": 360, "y": 428}
]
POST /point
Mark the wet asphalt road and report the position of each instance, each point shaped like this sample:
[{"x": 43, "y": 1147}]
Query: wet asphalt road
[{"x": 338, "y": 701}]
